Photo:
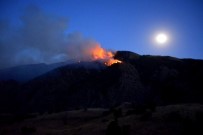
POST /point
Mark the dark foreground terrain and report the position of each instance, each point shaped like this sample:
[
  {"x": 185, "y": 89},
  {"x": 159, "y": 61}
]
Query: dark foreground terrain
[
  {"x": 164, "y": 120},
  {"x": 151, "y": 95}
]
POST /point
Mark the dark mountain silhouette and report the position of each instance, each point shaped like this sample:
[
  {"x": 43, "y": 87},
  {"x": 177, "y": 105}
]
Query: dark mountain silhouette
[
  {"x": 25, "y": 73},
  {"x": 142, "y": 80}
]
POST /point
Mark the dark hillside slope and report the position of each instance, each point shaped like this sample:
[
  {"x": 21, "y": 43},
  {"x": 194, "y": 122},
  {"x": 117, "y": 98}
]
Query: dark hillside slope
[
  {"x": 140, "y": 80},
  {"x": 171, "y": 80},
  {"x": 71, "y": 87},
  {"x": 25, "y": 73}
]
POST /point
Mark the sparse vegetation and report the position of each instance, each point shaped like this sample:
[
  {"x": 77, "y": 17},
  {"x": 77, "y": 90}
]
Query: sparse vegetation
[{"x": 167, "y": 120}]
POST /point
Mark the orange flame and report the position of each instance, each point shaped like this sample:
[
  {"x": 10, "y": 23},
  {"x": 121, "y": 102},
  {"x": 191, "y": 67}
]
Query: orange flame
[{"x": 98, "y": 53}]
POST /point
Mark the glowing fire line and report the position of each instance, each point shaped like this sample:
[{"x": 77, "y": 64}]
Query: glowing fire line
[
  {"x": 98, "y": 53},
  {"x": 112, "y": 61}
]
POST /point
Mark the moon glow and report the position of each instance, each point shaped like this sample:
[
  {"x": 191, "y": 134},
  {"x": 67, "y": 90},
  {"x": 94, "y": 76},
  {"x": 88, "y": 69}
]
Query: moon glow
[{"x": 161, "y": 38}]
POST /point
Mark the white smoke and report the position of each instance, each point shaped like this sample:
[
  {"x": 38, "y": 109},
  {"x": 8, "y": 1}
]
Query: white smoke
[{"x": 40, "y": 39}]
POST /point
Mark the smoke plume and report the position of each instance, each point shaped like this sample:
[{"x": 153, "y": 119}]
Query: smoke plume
[{"x": 41, "y": 38}]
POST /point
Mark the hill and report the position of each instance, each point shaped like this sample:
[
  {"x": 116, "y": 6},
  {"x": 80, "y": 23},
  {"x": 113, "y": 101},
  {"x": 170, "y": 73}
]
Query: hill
[
  {"x": 142, "y": 80},
  {"x": 24, "y": 73}
]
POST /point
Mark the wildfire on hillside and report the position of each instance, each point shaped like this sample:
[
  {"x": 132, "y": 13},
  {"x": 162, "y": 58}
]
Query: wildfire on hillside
[
  {"x": 111, "y": 61},
  {"x": 97, "y": 53}
]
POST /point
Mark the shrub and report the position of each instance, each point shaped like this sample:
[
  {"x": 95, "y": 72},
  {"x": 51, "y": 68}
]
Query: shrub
[
  {"x": 28, "y": 130},
  {"x": 113, "y": 128},
  {"x": 146, "y": 116},
  {"x": 106, "y": 113},
  {"x": 174, "y": 117},
  {"x": 117, "y": 113}
]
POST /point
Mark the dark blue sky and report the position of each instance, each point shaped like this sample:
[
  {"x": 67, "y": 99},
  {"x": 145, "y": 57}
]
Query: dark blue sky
[{"x": 125, "y": 24}]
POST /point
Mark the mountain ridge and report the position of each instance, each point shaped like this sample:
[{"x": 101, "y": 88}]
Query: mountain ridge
[{"x": 139, "y": 79}]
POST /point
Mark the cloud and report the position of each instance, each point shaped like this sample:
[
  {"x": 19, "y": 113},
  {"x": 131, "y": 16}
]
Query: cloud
[{"x": 40, "y": 38}]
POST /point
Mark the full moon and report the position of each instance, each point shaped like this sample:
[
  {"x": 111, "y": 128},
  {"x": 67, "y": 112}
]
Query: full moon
[{"x": 161, "y": 38}]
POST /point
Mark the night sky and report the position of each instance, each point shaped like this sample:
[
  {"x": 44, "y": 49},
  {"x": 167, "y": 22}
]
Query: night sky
[{"x": 34, "y": 31}]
